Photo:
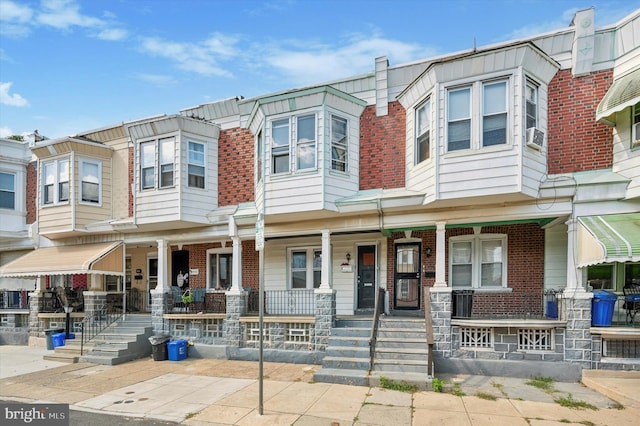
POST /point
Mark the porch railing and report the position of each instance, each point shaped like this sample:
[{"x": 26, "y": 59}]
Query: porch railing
[
  {"x": 95, "y": 323},
  {"x": 377, "y": 311},
  {"x": 14, "y": 299},
  {"x": 289, "y": 302}
]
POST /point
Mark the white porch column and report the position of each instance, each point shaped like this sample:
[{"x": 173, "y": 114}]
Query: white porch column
[
  {"x": 163, "y": 264},
  {"x": 440, "y": 255},
  {"x": 236, "y": 268},
  {"x": 325, "y": 273},
  {"x": 574, "y": 277}
]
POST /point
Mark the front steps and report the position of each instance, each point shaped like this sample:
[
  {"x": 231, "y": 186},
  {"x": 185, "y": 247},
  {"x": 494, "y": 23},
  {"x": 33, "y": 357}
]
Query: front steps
[
  {"x": 401, "y": 353},
  {"x": 122, "y": 341}
]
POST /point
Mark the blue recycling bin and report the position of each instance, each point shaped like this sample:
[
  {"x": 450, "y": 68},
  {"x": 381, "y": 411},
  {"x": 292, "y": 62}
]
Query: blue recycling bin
[
  {"x": 602, "y": 306},
  {"x": 177, "y": 350}
]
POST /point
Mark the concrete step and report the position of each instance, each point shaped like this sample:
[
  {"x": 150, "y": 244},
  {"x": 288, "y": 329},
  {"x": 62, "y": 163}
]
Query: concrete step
[
  {"x": 399, "y": 342},
  {"x": 351, "y": 332},
  {"x": 347, "y": 352},
  {"x": 402, "y": 333},
  {"x": 342, "y": 376},
  {"x": 348, "y": 341},
  {"x": 62, "y": 357},
  {"x": 339, "y": 362},
  {"x": 382, "y": 366},
  {"x": 402, "y": 353},
  {"x": 421, "y": 380}
]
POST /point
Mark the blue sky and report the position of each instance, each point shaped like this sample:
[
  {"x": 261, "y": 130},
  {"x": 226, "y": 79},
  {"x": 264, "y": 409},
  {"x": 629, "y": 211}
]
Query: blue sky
[{"x": 68, "y": 66}]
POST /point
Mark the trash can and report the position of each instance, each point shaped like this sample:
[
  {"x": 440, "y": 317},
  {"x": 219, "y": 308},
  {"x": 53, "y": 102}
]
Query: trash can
[
  {"x": 602, "y": 307},
  {"x": 159, "y": 347},
  {"x": 58, "y": 339},
  {"x": 551, "y": 297},
  {"x": 462, "y": 303},
  {"x": 177, "y": 350},
  {"x": 49, "y": 332}
]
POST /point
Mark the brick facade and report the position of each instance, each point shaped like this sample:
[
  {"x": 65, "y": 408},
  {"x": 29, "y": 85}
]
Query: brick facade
[
  {"x": 32, "y": 192},
  {"x": 235, "y": 167},
  {"x": 577, "y": 142},
  {"x": 382, "y": 150}
]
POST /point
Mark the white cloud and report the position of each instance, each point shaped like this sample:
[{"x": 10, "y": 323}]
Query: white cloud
[
  {"x": 156, "y": 79},
  {"x": 112, "y": 34},
  {"x": 14, "y": 19},
  {"x": 5, "y": 132},
  {"x": 64, "y": 14},
  {"x": 11, "y": 99},
  {"x": 201, "y": 58}
]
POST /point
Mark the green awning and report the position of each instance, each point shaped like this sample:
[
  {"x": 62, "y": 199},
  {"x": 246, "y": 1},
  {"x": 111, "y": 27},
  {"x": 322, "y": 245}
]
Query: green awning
[
  {"x": 623, "y": 93},
  {"x": 608, "y": 238}
]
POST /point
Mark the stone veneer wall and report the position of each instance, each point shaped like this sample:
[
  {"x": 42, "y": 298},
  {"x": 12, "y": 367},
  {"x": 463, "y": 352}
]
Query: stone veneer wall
[
  {"x": 441, "y": 306},
  {"x": 236, "y": 307},
  {"x": 578, "y": 344},
  {"x": 325, "y": 318}
]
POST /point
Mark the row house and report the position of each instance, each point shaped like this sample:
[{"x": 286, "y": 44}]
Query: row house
[{"x": 488, "y": 195}]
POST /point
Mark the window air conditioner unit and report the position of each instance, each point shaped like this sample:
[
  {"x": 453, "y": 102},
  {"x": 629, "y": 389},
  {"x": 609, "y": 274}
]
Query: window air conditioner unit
[
  {"x": 635, "y": 135},
  {"x": 535, "y": 138}
]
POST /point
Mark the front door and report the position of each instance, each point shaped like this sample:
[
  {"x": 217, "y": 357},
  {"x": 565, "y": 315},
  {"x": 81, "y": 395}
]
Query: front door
[
  {"x": 366, "y": 277},
  {"x": 407, "y": 276},
  {"x": 152, "y": 278}
]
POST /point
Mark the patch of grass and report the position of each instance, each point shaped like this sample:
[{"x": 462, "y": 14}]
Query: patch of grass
[
  {"x": 437, "y": 385},
  {"x": 617, "y": 406},
  {"x": 500, "y": 387},
  {"x": 189, "y": 415},
  {"x": 486, "y": 396},
  {"x": 457, "y": 391},
  {"x": 403, "y": 386},
  {"x": 569, "y": 402},
  {"x": 587, "y": 423},
  {"x": 542, "y": 383}
]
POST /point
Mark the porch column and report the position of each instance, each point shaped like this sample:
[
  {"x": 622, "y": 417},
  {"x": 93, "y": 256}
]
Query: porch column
[
  {"x": 574, "y": 277},
  {"x": 440, "y": 255},
  {"x": 163, "y": 284},
  {"x": 236, "y": 267},
  {"x": 325, "y": 273}
]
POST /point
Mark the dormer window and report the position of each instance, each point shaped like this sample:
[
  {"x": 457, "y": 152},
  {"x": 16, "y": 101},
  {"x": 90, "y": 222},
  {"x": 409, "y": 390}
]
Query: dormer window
[
  {"x": 55, "y": 185},
  {"x": 423, "y": 131}
]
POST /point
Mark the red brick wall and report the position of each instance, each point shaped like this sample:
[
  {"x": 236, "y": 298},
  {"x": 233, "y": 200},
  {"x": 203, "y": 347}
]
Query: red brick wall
[
  {"x": 382, "y": 150},
  {"x": 577, "y": 142},
  {"x": 32, "y": 192},
  {"x": 525, "y": 269},
  {"x": 235, "y": 167}
]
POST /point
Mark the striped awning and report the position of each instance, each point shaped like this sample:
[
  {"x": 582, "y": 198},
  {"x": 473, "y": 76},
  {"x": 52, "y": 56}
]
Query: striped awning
[
  {"x": 98, "y": 258},
  {"x": 608, "y": 238},
  {"x": 623, "y": 93}
]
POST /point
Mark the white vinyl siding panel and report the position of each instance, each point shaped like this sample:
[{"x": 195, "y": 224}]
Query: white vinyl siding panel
[
  {"x": 625, "y": 160},
  {"x": 555, "y": 257},
  {"x": 90, "y": 213},
  {"x": 196, "y": 203},
  {"x": 54, "y": 219}
]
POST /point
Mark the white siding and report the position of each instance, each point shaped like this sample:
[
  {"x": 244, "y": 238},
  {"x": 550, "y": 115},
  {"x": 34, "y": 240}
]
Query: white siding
[
  {"x": 626, "y": 161},
  {"x": 555, "y": 257}
]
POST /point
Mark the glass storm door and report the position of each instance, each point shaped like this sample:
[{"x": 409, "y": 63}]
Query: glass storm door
[{"x": 407, "y": 276}]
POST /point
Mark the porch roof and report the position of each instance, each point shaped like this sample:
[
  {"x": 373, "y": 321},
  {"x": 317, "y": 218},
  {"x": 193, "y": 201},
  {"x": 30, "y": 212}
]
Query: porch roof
[
  {"x": 623, "y": 93},
  {"x": 98, "y": 258},
  {"x": 608, "y": 238}
]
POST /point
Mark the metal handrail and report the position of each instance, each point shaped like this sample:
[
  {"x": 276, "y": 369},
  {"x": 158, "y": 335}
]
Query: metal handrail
[
  {"x": 429, "y": 329},
  {"x": 95, "y": 323},
  {"x": 377, "y": 311}
]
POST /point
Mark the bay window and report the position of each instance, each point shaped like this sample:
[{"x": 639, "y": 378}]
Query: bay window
[
  {"x": 478, "y": 261},
  {"x": 90, "y": 179},
  {"x": 55, "y": 181},
  {"x": 423, "y": 130},
  {"x": 147, "y": 164},
  {"x": 196, "y": 167},
  {"x": 166, "y": 159},
  {"x": 339, "y": 145},
  {"x": 163, "y": 163},
  {"x": 301, "y": 143},
  {"x": 459, "y": 119},
  {"x": 280, "y": 146},
  {"x": 494, "y": 114},
  {"x": 531, "y": 105},
  {"x": 306, "y": 142},
  {"x": 7, "y": 191},
  {"x": 305, "y": 268}
]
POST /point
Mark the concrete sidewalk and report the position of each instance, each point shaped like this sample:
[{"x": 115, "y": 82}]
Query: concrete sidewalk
[{"x": 216, "y": 392}]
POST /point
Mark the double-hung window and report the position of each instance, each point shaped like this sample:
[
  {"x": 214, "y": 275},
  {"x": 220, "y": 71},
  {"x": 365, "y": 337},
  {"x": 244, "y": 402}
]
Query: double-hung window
[
  {"x": 301, "y": 144},
  {"x": 306, "y": 142},
  {"x": 423, "y": 130},
  {"x": 339, "y": 145},
  {"x": 196, "y": 165},
  {"x": 478, "y": 261},
  {"x": 459, "y": 119},
  {"x": 90, "y": 179},
  {"x": 55, "y": 181},
  {"x": 280, "y": 146},
  {"x": 305, "y": 268},
  {"x": 163, "y": 162},
  {"x": 531, "y": 102},
  {"x": 494, "y": 114},
  {"x": 635, "y": 127},
  {"x": 7, "y": 191}
]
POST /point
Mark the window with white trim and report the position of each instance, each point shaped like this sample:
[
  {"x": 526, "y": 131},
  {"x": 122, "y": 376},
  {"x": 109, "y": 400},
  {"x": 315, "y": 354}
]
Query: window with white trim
[
  {"x": 635, "y": 127},
  {"x": 478, "y": 261},
  {"x": 305, "y": 268},
  {"x": 157, "y": 171},
  {"x": 301, "y": 144},
  {"x": 494, "y": 113},
  {"x": 464, "y": 129},
  {"x": 339, "y": 144},
  {"x": 423, "y": 131},
  {"x": 90, "y": 181},
  {"x": 55, "y": 181},
  {"x": 531, "y": 105},
  {"x": 195, "y": 165},
  {"x": 219, "y": 269},
  {"x": 7, "y": 191}
]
